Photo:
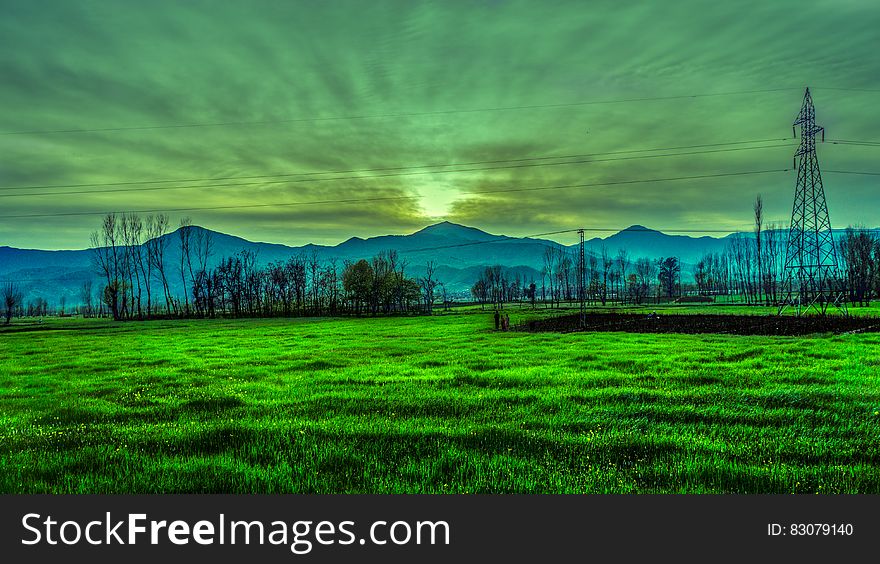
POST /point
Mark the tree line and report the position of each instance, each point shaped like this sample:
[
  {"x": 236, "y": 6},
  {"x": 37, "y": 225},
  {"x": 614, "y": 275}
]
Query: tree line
[
  {"x": 605, "y": 279},
  {"x": 749, "y": 269},
  {"x": 139, "y": 279},
  {"x": 132, "y": 257}
]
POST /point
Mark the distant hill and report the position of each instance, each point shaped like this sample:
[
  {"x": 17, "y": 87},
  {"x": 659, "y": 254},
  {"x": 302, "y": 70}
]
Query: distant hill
[
  {"x": 641, "y": 241},
  {"x": 458, "y": 251},
  {"x": 12, "y": 259}
]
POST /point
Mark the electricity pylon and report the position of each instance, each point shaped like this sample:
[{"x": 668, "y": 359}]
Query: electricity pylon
[{"x": 811, "y": 280}]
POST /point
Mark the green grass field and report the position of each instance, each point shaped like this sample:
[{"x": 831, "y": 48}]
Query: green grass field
[{"x": 431, "y": 405}]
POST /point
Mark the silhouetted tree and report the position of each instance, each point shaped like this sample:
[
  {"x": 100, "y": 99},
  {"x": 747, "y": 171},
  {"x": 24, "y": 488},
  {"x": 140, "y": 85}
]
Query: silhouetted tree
[
  {"x": 184, "y": 234},
  {"x": 606, "y": 268},
  {"x": 667, "y": 276},
  {"x": 622, "y": 266},
  {"x": 644, "y": 275},
  {"x": 860, "y": 254},
  {"x": 85, "y": 298},
  {"x": 428, "y": 283},
  {"x": 107, "y": 257},
  {"x": 157, "y": 244},
  {"x": 12, "y": 300},
  {"x": 357, "y": 279}
]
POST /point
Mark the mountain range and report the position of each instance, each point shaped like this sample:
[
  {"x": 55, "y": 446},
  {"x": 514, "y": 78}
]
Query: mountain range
[{"x": 459, "y": 253}]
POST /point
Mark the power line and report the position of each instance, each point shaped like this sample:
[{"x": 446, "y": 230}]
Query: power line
[
  {"x": 624, "y": 182},
  {"x": 383, "y": 169},
  {"x": 393, "y": 115},
  {"x": 392, "y": 198},
  {"x": 397, "y": 174},
  {"x": 865, "y": 173},
  {"x": 847, "y": 89},
  {"x": 850, "y": 142}
]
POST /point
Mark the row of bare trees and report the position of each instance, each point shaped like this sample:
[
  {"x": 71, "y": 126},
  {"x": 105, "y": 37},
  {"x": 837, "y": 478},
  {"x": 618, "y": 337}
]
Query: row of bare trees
[
  {"x": 303, "y": 285},
  {"x": 237, "y": 286},
  {"x": 751, "y": 267},
  {"x": 606, "y": 279},
  {"x": 859, "y": 255},
  {"x": 132, "y": 256},
  {"x": 606, "y": 276},
  {"x": 498, "y": 285}
]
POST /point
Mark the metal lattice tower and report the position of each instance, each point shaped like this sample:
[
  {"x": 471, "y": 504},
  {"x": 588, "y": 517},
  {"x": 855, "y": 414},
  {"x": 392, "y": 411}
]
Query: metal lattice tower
[
  {"x": 582, "y": 290},
  {"x": 811, "y": 280}
]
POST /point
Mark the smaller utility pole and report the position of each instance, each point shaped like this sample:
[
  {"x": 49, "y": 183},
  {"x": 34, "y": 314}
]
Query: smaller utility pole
[{"x": 582, "y": 291}]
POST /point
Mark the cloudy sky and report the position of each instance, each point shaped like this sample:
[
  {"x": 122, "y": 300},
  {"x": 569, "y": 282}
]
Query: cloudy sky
[{"x": 261, "y": 96}]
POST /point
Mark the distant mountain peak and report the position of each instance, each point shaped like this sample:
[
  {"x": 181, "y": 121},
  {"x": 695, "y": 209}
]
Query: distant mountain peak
[
  {"x": 638, "y": 227},
  {"x": 196, "y": 228},
  {"x": 445, "y": 226},
  {"x": 447, "y": 229}
]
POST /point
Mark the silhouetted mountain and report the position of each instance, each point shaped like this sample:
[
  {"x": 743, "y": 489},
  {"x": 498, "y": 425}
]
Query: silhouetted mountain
[
  {"x": 12, "y": 259},
  {"x": 643, "y": 242},
  {"x": 459, "y": 253},
  {"x": 440, "y": 234}
]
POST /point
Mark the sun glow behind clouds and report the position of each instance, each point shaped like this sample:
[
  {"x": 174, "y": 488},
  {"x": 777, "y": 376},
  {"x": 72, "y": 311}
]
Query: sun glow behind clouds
[{"x": 436, "y": 196}]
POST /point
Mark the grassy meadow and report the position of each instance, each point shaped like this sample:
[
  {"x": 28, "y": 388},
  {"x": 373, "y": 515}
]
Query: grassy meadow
[{"x": 438, "y": 404}]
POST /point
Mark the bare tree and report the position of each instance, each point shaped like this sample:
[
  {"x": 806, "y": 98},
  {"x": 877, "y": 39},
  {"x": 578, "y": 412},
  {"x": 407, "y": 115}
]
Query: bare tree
[
  {"x": 132, "y": 227},
  {"x": 202, "y": 286},
  {"x": 759, "y": 256},
  {"x": 549, "y": 266},
  {"x": 772, "y": 255},
  {"x": 859, "y": 251},
  {"x": 157, "y": 244},
  {"x": 622, "y": 266},
  {"x": 564, "y": 270},
  {"x": 444, "y": 294},
  {"x": 106, "y": 256},
  {"x": 12, "y": 299},
  {"x": 85, "y": 297},
  {"x": 669, "y": 269},
  {"x": 645, "y": 274},
  {"x": 740, "y": 251},
  {"x": 314, "y": 266},
  {"x": 428, "y": 284},
  {"x": 331, "y": 284},
  {"x": 185, "y": 236},
  {"x": 607, "y": 262},
  {"x": 593, "y": 276}
]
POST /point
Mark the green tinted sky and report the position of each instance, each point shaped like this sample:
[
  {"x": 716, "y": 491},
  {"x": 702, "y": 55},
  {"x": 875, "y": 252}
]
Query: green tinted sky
[{"x": 74, "y": 65}]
